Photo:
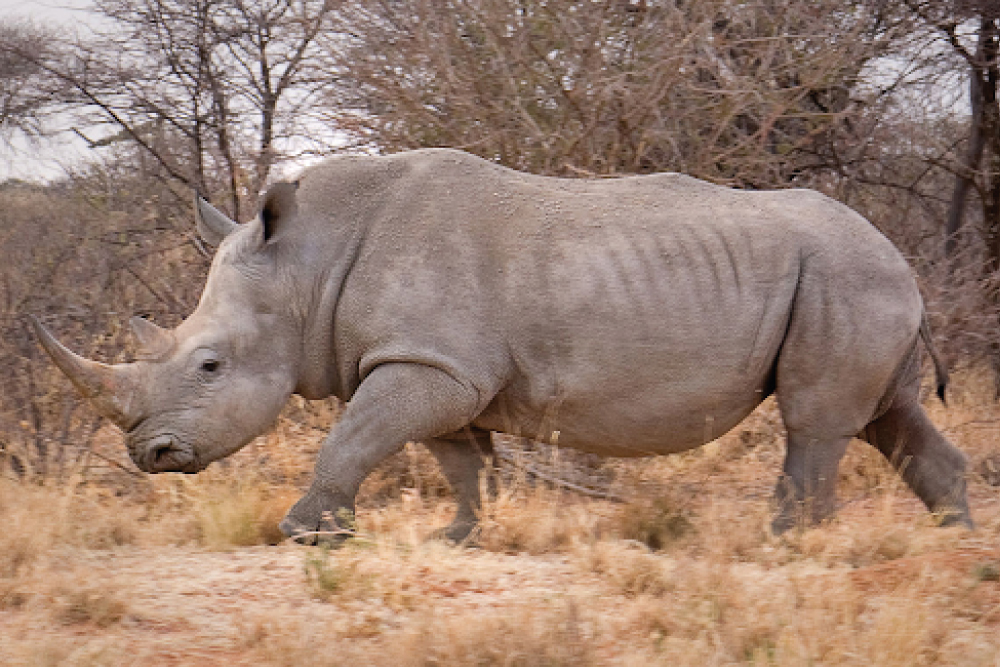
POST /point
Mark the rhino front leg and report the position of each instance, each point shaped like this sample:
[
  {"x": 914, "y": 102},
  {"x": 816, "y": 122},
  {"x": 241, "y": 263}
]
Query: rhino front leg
[
  {"x": 395, "y": 404},
  {"x": 807, "y": 490},
  {"x": 462, "y": 457}
]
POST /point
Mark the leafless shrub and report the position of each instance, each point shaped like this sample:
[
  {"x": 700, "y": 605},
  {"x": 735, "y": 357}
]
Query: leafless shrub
[
  {"x": 86, "y": 256},
  {"x": 740, "y": 94}
]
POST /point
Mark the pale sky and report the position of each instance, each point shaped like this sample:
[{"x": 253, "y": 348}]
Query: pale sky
[{"x": 44, "y": 11}]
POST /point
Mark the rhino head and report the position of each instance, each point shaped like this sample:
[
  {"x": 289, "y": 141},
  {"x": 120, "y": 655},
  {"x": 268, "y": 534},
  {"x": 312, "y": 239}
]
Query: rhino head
[{"x": 200, "y": 392}]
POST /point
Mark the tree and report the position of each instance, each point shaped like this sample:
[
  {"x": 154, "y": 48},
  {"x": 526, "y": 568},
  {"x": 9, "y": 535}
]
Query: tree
[
  {"x": 24, "y": 85},
  {"x": 740, "y": 93},
  {"x": 969, "y": 30},
  {"x": 212, "y": 90}
]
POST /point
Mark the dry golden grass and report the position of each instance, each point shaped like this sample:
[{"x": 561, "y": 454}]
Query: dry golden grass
[{"x": 105, "y": 570}]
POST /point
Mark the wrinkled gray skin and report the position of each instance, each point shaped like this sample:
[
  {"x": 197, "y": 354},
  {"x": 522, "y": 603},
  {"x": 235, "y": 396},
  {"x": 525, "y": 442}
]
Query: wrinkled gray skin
[{"x": 446, "y": 297}]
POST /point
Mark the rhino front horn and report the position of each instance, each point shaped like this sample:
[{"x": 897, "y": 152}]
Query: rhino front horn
[{"x": 108, "y": 388}]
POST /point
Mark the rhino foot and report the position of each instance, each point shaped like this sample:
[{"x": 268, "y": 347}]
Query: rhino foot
[
  {"x": 297, "y": 532},
  {"x": 801, "y": 514},
  {"x": 329, "y": 532},
  {"x": 461, "y": 533},
  {"x": 955, "y": 517},
  {"x": 307, "y": 523}
]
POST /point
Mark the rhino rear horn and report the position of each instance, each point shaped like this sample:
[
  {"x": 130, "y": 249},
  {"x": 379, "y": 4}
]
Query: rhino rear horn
[
  {"x": 213, "y": 225},
  {"x": 153, "y": 342},
  {"x": 108, "y": 388}
]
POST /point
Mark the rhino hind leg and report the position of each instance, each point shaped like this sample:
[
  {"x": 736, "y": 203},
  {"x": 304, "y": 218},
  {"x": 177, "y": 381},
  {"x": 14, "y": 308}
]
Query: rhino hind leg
[
  {"x": 931, "y": 466},
  {"x": 463, "y": 457},
  {"x": 395, "y": 404},
  {"x": 807, "y": 490}
]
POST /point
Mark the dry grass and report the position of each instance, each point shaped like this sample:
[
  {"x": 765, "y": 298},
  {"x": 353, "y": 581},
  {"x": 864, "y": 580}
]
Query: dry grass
[
  {"x": 685, "y": 573},
  {"x": 539, "y": 521},
  {"x": 39, "y": 518},
  {"x": 525, "y": 634},
  {"x": 342, "y": 576}
]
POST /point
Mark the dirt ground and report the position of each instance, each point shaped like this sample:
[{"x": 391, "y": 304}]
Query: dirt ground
[{"x": 107, "y": 568}]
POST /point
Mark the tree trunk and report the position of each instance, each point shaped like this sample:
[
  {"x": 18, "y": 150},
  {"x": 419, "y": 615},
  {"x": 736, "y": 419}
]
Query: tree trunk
[
  {"x": 990, "y": 132},
  {"x": 965, "y": 178}
]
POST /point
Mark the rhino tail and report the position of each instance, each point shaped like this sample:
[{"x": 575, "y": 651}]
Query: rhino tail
[{"x": 940, "y": 370}]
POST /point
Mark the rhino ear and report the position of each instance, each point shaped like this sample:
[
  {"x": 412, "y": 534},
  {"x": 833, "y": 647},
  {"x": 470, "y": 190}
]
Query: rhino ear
[
  {"x": 280, "y": 205},
  {"x": 213, "y": 225}
]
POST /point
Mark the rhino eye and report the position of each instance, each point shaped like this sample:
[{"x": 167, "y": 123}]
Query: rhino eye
[{"x": 210, "y": 366}]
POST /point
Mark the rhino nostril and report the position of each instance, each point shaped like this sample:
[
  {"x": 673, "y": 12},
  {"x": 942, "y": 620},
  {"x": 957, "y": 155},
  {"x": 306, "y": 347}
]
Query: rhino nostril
[
  {"x": 164, "y": 455},
  {"x": 160, "y": 451}
]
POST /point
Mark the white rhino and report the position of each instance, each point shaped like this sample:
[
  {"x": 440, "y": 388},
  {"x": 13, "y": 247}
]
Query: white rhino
[{"x": 445, "y": 297}]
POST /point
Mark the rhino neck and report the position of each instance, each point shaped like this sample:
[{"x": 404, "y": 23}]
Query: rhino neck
[{"x": 319, "y": 371}]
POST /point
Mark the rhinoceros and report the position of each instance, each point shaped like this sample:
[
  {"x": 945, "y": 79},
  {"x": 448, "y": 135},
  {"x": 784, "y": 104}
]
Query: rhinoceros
[{"x": 446, "y": 297}]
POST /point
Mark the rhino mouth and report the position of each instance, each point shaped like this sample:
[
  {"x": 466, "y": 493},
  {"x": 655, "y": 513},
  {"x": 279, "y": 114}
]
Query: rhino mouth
[{"x": 165, "y": 453}]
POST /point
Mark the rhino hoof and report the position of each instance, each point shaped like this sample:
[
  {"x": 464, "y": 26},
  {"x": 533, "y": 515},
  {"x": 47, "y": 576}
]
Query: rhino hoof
[
  {"x": 955, "y": 518},
  {"x": 297, "y": 532},
  {"x": 461, "y": 534},
  {"x": 329, "y": 536}
]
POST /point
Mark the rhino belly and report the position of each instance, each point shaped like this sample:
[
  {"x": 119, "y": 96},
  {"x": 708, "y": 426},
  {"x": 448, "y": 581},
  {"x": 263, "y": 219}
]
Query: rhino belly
[
  {"x": 633, "y": 394},
  {"x": 651, "y": 419}
]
